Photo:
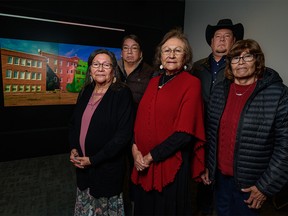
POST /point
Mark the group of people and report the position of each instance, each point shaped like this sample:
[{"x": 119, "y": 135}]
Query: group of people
[{"x": 222, "y": 122}]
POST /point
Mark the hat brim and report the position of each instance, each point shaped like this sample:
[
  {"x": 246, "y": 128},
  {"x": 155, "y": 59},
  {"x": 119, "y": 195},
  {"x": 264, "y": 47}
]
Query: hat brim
[{"x": 237, "y": 29}]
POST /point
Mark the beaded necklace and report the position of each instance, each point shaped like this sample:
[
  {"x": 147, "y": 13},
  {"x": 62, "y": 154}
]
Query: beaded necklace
[{"x": 165, "y": 79}]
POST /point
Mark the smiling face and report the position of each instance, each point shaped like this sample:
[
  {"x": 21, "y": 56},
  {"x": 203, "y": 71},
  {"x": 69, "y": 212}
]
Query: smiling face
[
  {"x": 172, "y": 55},
  {"x": 101, "y": 69},
  {"x": 243, "y": 68}
]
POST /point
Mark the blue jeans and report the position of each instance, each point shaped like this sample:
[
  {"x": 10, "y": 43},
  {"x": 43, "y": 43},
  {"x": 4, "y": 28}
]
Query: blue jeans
[{"x": 230, "y": 198}]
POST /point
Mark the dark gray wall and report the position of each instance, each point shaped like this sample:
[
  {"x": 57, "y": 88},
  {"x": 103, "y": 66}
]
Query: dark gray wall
[{"x": 264, "y": 21}]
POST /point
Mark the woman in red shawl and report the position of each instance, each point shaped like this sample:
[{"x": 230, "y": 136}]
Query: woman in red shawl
[{"x": 169, "y": 133}]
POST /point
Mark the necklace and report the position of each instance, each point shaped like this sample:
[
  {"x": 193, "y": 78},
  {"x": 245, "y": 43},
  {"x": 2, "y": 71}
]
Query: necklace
[
  {"x": 240, "y": 94},
  {"x": 165, "y": 79}
]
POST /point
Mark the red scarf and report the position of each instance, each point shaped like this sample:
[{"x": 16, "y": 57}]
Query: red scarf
[{"x": 177, "y": 107}]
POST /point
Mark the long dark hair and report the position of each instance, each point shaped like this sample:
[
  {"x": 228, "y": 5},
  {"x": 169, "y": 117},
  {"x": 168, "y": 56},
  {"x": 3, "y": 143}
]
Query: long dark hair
[{"x": 89, "y": 80}]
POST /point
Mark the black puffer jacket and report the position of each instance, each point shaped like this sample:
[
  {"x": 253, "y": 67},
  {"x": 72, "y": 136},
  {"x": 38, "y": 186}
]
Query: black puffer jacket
[{"x": 261, "y": 148}]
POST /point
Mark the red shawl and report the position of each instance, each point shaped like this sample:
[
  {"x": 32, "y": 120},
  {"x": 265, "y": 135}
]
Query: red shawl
[{"x": 177, "y": 107}]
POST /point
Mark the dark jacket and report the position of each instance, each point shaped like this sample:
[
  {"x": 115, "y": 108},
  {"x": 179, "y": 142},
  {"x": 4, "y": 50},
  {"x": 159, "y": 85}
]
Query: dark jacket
[
  {"x": 202, "y": 70},
  {"x": 108, "y": 137},
  {"x": 261, "y": 148},
  {"x": 137, "y": 79}
]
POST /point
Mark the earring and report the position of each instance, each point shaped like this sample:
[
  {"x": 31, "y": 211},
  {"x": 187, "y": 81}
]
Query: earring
[
  {"x": 185, "y": 67},
  {"x": 114, "y": 79},
  {"x": 161, "y": 67},
  {"x": 91, "y": 79}
]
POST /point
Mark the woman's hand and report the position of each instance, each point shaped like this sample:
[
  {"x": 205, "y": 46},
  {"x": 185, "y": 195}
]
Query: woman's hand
[
  {"x": 256, "y": 198},
  {"x": 138, "y": 159},
  {"x": 83, "y": 162},
  {"x": 148, "y": 159},
  {"x": 77, "y": 161},
  {"x": 205, "y": 177}
]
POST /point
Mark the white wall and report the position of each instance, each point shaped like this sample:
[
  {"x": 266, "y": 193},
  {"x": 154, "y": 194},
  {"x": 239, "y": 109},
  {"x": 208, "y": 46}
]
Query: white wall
[{"x": 265, "y": 21}]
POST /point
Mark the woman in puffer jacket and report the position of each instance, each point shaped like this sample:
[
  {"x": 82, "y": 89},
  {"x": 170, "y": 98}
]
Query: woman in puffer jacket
[{"x": 247, "y": 133}]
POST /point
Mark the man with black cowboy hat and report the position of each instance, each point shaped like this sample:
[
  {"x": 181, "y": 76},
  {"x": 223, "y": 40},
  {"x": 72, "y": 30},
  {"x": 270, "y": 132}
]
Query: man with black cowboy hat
[
  {"x": 210, "y": 70},
  {"x": 220, "y": 38}
]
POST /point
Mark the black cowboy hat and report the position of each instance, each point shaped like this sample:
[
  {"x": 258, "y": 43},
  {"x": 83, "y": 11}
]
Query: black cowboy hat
[{"x": 237, "y": 29}]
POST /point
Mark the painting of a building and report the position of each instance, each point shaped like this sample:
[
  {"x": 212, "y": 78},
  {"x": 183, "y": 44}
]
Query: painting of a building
[
  {"x": 43, "y": 73},
  {"x": 63, "y": 67},
  {"x": 22, "y": 72}
]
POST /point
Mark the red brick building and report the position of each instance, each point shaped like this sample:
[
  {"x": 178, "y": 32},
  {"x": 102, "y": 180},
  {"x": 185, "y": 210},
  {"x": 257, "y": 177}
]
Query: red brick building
[
  {"x": 23, "y": 72},
  {"x": 63, "y": 67}
]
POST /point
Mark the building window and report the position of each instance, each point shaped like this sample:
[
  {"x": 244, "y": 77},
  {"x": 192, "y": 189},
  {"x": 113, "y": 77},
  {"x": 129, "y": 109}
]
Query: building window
[
  {"x": 39, "y": 76},
  {"x": 33, "y": 75},
  {"x": 27, "y": 88},
  {"x": 34, "y": 63},
  {"x": 7, "y": 88},
  {"x": 28, "y": 64},
  {"x": 23, "y": 62},
  {"x": 27, "y": 75},
  {"x": 39, "y": 64},
  {"x": 15, "y": 74},
  {"x": 16, "y": 60},
  {"x": 21, "y": 88},
  {"x": 38, "y": 88},
  {"x": 10, "y": 60},
  {"x": 14, "y": 88},
  {"x": 8, "y": 74},
  {"x": 22, "y": 75}
]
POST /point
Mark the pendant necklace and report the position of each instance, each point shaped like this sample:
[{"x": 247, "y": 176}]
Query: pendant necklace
[{"x": 240, "y": 94}]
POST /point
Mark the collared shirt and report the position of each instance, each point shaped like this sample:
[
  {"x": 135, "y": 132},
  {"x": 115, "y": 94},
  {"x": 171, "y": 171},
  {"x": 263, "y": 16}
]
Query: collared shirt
[{"x": 215, "y": 67}]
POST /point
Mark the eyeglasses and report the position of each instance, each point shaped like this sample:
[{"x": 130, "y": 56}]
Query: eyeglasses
[
  {"x": 177, "y": 51},
  {"x": 105, "y": 65},
  {"x": 245, "y": 58},
  {"x": 133, "y": 48}
]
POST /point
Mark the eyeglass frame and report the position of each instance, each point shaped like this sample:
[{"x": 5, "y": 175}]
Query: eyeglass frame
[
  {"x": 169, "y": 51},
  {"x": 105, "y": 65},
  {"x": 248, "y": 55},
  {"x": 133, "y": 48}
]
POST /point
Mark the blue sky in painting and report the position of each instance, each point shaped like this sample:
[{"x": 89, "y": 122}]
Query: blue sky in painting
[{"x": 67, "y": 50}]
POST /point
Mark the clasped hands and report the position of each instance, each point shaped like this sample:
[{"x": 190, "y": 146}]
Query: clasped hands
[
  {"x": 80, "y": 162},
  {"x": 140, "y": 162}
]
